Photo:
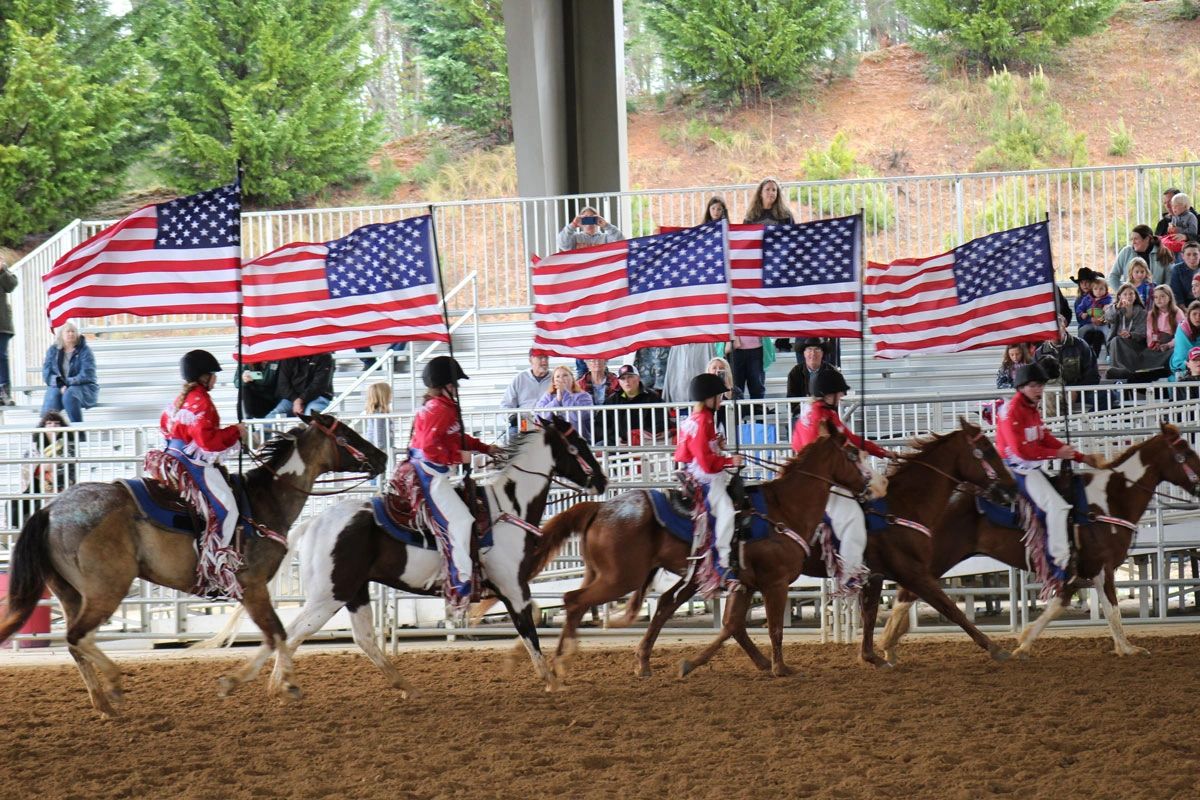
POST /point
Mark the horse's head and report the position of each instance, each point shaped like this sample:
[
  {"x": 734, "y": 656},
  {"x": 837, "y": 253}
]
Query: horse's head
[
  {"x": 345, "y": 450},
  {"x": 848, "y": 466},
  {"x": 973, "y": 459},
  {"x": 1178, "y": 461},
  {"x": 573, "y": 459}
]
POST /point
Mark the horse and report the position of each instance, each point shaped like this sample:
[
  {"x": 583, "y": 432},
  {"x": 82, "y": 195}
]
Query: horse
[
  {"x": 1120, "y": 490},
  {"x": 900, "y": 550},
  {"x": 623, "y": 544},
  {"x": 344, "y": 549},
  {"x": 91, "y": 542}
]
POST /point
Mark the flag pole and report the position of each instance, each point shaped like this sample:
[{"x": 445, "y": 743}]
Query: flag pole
[
  {"x": 737, "y": 444},
  {"x": 437, "y": 261},
  {"x": 861, "y": 417},
  {"x": 1065, "y": 396},
  {"x": 241, "y": 383}
]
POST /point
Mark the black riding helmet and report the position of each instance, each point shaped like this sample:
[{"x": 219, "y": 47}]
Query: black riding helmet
[
  {"x": 1030, "y": 373},
  {"x": 706, "y": 385},
  {"x": 197, "y": 363},
  {"x": 829, "y": 381},
  {"x": 441, "y": 371}
]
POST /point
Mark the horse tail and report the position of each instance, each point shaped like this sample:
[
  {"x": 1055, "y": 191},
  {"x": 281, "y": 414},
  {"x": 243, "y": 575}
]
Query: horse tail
[
  {"x": 575, "y": 519},
  {"x": 28, "y": 571}
]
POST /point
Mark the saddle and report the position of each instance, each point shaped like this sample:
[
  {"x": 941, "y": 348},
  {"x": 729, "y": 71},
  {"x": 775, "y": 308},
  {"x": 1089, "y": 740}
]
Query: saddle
[
  {"x": 162, "y": 505},
  {"x": 401, "y": 511},
  {"x": 673, "y": 509}
]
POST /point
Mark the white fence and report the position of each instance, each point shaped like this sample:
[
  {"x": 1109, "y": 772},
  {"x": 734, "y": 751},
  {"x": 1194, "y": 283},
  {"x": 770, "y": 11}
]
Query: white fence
[
  {"x": 105, "y": 453},
  {"x": 1091, "y": 212}
]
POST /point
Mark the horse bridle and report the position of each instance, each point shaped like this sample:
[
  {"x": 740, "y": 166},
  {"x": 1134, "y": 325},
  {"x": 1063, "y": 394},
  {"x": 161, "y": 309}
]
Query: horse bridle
[
  {"x": 341, "y": 442},
  {"x": 572, "y": 449},
  {"x": 988, "y": 470},
  {"x": 1180, "y": 459}
]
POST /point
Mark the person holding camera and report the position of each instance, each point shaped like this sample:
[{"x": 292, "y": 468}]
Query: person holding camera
[
  {"x": 69, "y": 370},
  {"x": 587, "y": 229},
  {"x": 258, "y": 382}
]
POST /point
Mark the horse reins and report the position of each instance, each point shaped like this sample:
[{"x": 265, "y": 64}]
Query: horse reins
[{"x": 341, "y": 442}]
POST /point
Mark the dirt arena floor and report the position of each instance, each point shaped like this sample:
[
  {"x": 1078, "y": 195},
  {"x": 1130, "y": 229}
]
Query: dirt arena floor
[{"x": 1075, "y": 722}]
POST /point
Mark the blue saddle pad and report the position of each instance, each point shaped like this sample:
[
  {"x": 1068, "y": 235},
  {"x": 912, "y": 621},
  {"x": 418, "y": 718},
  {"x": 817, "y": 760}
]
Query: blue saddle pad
[
  {"x": 680, "y": 525},
  {"x": 174, "y": 521},
  {"x": 1001, "y": 515},
  {"x": 1078, "y": 496},
  {"x": 425, "y": 541},
  {"x": 876, "y": 512}
]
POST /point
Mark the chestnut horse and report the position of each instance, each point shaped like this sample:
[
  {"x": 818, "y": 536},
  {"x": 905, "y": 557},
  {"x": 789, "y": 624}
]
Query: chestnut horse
[
  {"x": 623, "y": 545},
  {"x": 918, "y": 490},
  {"x": 1122, "y": 489},
  {"x": 92, "y": 541}
]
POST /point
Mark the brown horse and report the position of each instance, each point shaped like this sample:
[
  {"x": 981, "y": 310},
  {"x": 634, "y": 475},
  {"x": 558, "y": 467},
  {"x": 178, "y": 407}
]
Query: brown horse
[
  {"x": 1121, "y": 489},
  {"x": 918, "y": 490},
  {"x": 92, "y": 541},
  {"x": 623, "y": 545}
]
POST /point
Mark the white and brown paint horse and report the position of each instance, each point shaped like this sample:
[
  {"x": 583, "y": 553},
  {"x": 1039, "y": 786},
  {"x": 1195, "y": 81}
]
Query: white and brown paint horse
[
  {"x": 1121, "y": 490},
  {"x": 92, "y": 541},
  {"x": 343, "y": 549}
]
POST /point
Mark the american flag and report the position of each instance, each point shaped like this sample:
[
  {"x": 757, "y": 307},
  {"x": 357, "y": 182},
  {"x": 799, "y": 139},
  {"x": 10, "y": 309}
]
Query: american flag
[
  {"x": 797, "y": 280},
  {"x": 177, "y": 257},
  {"x": 992, "y": 290},
  {"x": 611, "y": 299},
  {"x": 374, "y": 286}
]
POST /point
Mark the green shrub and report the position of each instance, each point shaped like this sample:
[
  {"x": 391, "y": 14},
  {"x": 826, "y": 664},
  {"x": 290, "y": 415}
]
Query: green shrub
[
  {"x": 1120, "y": 139},
  {"x": 385, "y": 179},
  {"x": 1027, "y": 128},
  {"x": 838, "y": 162}
]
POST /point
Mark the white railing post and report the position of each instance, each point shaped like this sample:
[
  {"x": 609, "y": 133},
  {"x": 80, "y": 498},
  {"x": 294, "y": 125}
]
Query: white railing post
[
  {"x": 1140, "y": 193},
  {"x": 960, "y": 210}
]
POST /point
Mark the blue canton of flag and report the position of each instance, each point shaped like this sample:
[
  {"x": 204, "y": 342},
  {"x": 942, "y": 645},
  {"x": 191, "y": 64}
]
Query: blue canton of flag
[
  {"x": 691, "y": 257},
  {"x": 1003, "y": 262},
  {"x": 381, "y": 258},
  {"x": 818, "y": 252},
  {"x": 207, "y": 219}
]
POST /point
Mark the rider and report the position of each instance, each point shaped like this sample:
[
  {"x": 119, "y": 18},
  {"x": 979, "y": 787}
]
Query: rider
[
  {"x": 700, "y": 449},
  {"x": 845, "y": 514},
  {"x": 438, "y": 442},
  {"x": 1026, "y": 444},
  {"x": 195, "y": 442}
]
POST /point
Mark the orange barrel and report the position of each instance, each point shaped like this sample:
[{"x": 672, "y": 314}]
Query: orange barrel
[{"x": 38, "y": 622}]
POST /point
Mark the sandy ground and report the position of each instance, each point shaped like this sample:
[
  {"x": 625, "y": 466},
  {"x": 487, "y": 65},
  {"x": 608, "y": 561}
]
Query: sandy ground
[{"x": 948, "y": 723}]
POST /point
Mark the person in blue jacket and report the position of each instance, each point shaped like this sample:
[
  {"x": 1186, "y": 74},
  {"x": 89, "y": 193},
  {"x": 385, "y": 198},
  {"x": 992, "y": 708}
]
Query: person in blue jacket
[{"x": 69, "y": 371}]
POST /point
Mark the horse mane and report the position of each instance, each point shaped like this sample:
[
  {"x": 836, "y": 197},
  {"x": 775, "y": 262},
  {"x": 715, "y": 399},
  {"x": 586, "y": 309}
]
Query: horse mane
[
  {"x": 279, "y": 448},
  {"x": 922, "y": 444},
  {"x": 798, "y": 461},
  {"x": 1127, "y": 453},
  {"x": 512, "y": 448}
]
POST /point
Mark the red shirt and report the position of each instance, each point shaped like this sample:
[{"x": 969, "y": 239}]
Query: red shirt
[
  {"x": 808, "y": 429},
  {"x": 1021, "y": 435},
  {"x": 699, "y": 445},
  {"x": 436, "y": 432},
  {"x": 198, "y": 424}
]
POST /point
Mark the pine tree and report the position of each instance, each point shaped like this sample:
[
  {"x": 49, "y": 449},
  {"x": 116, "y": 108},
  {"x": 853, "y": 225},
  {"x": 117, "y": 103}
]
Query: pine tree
[
  {"x": 463, "y": 56},
  {"x": 72, "y": 99},
  {"x": 997, "y": 33},
  {"x": 278, "y": 84},
  {"x": 743, "y": 49}
]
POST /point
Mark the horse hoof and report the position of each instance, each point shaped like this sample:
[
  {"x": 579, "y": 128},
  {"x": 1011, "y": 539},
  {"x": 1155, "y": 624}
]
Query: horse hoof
[
  {"x": 642, "y": 671},
  {"x": 891, "y": 658},
  {"x": 225, "y": 686},
  {"x": 999, "y": 654},
  {"x": 685, "y": 667},
  {"x": 783, "y": 671},
  {"x": 292, "y": 692}
]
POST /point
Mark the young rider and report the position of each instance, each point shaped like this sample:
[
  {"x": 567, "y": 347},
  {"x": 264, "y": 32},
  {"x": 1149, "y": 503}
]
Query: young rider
[
  {"x": 437, "y": 443},
  {"x": 1027, "y": 445},
  {"x": 700, "y": 449},
  {"x": 195, "y": 442},
  {"x": 845, "y": 514}
]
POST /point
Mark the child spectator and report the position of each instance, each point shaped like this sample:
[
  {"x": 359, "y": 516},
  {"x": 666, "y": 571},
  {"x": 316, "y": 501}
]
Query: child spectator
[
  {"x": 1139, "y": 279},
  {"x": 39, "y": 476},
  {"x": 565, "y": 393},
  {"x": 1185, "y": 272},
  {"x": 1162, "y": 318},
  {"x": 1083, "y": 297},
  {"x": 1183, "y": 226},
  {"x": 379, "y": 401},
  {"x": 1094, "y": 331},
  {"x": 715, "y": 210},
  {"x": 1016, "y": 355},
  {"x": 1187, "y": 336},
  {"x": 1126, "y": 319},
  {"x": 1145, "y": 245}
]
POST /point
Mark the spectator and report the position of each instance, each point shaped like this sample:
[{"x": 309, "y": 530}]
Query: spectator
[
  {"x": 769, "y": 207},
  {"x": 1095, "y": 332},
  {"x": 379, "y": 401},
  {"x": 750, "y": 358},
  {"x": 1183, "y": 226},
  {"x": 623, "y": 426},
  {"x": 831, "y": 347},
  {"x": 720, "y": 368},
  {"x": 527, "y": 387},
  {"x": 813, "y": 362},
  {"x": 565, "y": 392},
  {"x": 1126, "y": 320},
  {"x": 715, "y": 210},
  {"x": 39, "y": 476},
  {"x": 599, "y": 381},
  {"x": 70, "y": 374},
  {"x": 1187, "y": 336},
  {"x": 8, "y": 282},
  {"x": 651, "y": 363},
  {"x": 1191, "y": 373},
  {"x": 587, "y": 229},
  {"x": 1144, "y": 244},
  {"x": 1183, "y": 273},
  {"x": 1076, "y": 362},
  {"x": 1083, "y": 281},
  {"x": 684, "y": 362},
  {"x": 305, "y": 385},
  {"x": 1139, "y": 279},
  {"x": 1162, "y": 318},
  {"x": 1016, "y": 355},
  {"x": 260, "y": 388},
  {"x": 1160, "y": 229}
]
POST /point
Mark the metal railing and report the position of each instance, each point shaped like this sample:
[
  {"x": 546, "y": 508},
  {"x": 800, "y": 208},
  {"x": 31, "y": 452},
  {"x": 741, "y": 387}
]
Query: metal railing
[
  {"x": 1091, "y": 209},
  {"x": 108, "y": 452}
]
